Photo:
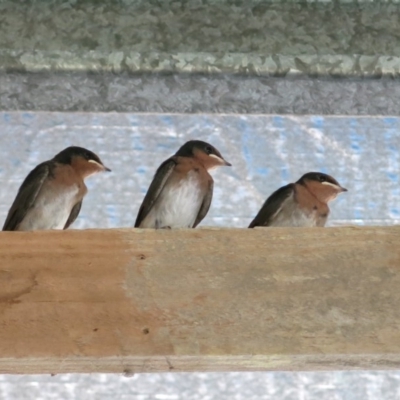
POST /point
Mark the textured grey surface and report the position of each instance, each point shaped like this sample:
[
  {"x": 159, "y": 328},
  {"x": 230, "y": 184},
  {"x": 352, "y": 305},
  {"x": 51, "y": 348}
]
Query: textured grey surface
[
  {"x": 243, "y": 36},
  {"x": 218, "y": 56},
  {"x": 362, "y": 385},
  {"x": 266, "y": 152},
  {"x": 197, "y": 94}
]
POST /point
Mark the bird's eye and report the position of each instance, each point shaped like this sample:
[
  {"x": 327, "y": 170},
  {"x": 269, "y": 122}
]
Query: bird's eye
[
  {"x": 322, "y": 178},
  {"x": 208, "y": 149}
]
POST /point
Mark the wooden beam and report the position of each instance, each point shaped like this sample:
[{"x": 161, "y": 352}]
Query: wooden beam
[{"x": 200, "y": 300}]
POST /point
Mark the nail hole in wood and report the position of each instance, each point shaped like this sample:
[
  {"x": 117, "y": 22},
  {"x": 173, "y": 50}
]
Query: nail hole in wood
[{"x": 128, "y": 373}]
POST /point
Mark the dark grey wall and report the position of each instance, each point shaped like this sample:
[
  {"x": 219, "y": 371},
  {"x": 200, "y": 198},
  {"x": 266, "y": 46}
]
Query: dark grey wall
[
  {"x": 187, "y": 93},
  {"x": 243, "y": 56}
]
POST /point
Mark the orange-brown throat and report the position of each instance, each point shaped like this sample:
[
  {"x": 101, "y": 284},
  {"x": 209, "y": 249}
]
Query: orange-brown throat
[
  {"x": 85, "y": 168},
  {"x": 208, "y": 161},
  {"x": 324, "y": 193}
]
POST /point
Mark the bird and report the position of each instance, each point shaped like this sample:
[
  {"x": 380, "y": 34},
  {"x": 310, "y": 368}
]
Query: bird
[
  {"x": 181, "y": 191},
  {"x": 51, "y": 195},
  {"x": 303, "y": 203}
]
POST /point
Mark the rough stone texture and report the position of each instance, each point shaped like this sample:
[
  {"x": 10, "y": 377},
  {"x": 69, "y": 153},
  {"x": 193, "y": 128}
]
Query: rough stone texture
[
  {"x": 360, "y": 385},
  {"x": 197, "y": 94},
  {"x": 246, "y": 37},
  {"x": 200, "y": 56}
]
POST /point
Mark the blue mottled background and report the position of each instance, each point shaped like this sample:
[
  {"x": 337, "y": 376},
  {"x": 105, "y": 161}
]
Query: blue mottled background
[{"x": 362, "y": 153}]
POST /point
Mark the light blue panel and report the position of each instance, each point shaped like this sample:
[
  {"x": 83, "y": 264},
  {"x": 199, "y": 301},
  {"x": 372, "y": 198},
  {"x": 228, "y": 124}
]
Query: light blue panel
[{"x": 362, "y": 153}]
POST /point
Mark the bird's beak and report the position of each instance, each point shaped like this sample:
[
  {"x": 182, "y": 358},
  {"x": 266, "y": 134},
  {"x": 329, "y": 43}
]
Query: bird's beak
[
  {"x": 101, "y": 165},
  {"x": 339, "y": 188},
  {"x": 221, "y": 160}
]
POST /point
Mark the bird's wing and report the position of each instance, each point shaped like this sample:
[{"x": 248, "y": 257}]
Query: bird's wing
[
  {"x": 26, "y": 196},
  {"x": 74, "y": 214},
  {"x": 272, "y": 206},
  {"x": 205, "y": 205},
  {"x": 160, "y": 178}
]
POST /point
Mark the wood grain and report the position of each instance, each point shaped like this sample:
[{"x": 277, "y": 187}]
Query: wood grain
[{"x": 200, "y": 300}]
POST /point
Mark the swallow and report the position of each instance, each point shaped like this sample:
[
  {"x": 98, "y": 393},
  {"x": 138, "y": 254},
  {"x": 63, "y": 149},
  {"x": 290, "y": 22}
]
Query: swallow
[
  {"x": 181, "y": 191},
  {"x": 51, "y": 195},
  {"x": 304, "y": 203}
]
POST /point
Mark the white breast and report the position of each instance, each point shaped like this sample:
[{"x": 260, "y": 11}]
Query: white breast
[
  {"x": 51, "y": 210},
  {"x": 177, "y": 206}
]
